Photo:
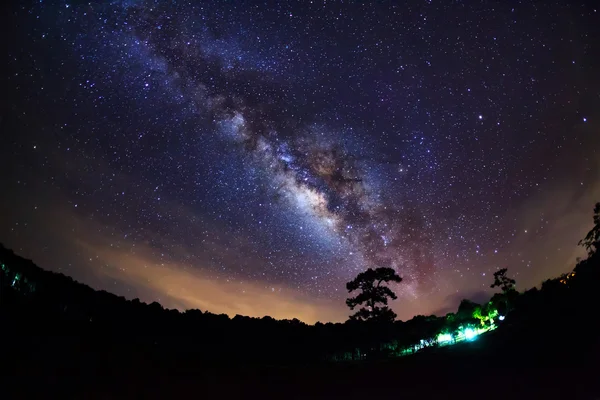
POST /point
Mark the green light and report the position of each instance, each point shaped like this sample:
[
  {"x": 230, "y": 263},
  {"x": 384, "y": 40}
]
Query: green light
[{"x": 444, "y": 337}]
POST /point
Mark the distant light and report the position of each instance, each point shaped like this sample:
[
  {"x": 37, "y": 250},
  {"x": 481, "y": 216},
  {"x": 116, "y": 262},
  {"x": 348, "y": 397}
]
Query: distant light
[
  {"x": 584, "y": 119},
  {"x": 481, "y": 117},
  {"x": 470, "y": 334},
  {"x": 501, "y": 317},
  {"x": 444, "y": 337}
]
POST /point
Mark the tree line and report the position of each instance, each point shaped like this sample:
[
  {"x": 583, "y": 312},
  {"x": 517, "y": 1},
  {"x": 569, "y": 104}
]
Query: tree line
[{"x": 51, "y": 313}]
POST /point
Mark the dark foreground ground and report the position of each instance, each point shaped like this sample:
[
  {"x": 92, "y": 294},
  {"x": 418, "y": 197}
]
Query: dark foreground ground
[{"x": 493, "y": 367}]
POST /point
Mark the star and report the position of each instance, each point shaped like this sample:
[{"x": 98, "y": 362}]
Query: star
[{"x": 257, "y": 155}]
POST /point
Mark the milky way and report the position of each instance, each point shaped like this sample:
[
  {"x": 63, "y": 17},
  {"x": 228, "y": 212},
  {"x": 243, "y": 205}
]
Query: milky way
[{"x": 236, "y": 156}]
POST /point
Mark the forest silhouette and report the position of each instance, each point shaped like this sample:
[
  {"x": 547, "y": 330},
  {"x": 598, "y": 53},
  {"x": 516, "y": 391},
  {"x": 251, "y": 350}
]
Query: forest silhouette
[{"x": 52, "y": 323}]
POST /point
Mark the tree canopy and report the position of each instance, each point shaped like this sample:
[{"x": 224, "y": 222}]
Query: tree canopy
[{"x": 373, "y": 294}]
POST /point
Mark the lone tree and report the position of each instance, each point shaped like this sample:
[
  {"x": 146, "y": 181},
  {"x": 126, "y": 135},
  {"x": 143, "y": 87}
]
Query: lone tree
[
  {"x": 502, "y": 281},
  {"x": 372, "y": 294},
  {"x": 507, "y": 285},
  {"x": 591, "y": 242}
]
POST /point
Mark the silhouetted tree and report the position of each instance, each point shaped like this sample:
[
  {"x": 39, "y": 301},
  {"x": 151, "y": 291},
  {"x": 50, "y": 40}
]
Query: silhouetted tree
[
  {"x": 373, "y": 293},
  {"x": 507, "y": 285},
  {"x": 591, "y": 242},
  {"x": 55, "y": 306},
  {"x": 502, "y": 281}
]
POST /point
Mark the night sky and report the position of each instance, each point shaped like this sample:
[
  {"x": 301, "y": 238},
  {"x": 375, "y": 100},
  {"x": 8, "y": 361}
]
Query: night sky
[{"x": 251, "y": 158}]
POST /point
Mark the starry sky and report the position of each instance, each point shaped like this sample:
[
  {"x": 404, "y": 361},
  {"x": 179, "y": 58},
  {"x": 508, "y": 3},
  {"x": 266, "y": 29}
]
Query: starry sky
[{"x": 251, "y": 158}]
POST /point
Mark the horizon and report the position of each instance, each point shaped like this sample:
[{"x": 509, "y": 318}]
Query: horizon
[
  {"x": 232, "y": 160},
  {"x": 479, "y": 302}
]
